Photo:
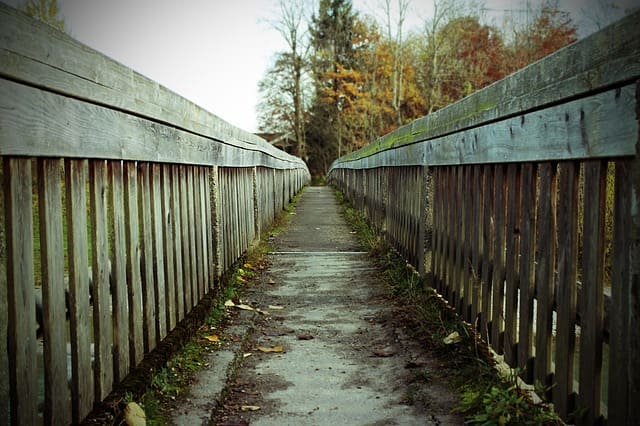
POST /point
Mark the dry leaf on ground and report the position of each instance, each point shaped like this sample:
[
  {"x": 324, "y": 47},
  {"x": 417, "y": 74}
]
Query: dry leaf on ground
[
  {"x": 273, "y": 349},
  {"x": 134, "y": 415},
  {"x": 249, "y": 408}
]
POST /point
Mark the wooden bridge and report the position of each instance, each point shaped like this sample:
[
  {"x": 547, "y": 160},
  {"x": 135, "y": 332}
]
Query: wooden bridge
[{"x": 125, "y": 204}]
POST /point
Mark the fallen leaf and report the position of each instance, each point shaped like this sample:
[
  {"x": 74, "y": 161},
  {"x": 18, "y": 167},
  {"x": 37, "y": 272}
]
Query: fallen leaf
[
  {"x": 247, "y": 355},
  {"x": 134, "y": 415},
  {"x": 274, "y": 349},
  {"x": 235, "y": 338},
  {"x": 383, "y": 353},
  {"x": 249, "y": 408},
  {"x": 212, "y": 338},
  {"x": 271, "y": 281},
  {"x": 248, "y": 266},
  {"x": 245, "y": 307},
  {"x": 229, "y": 303},
  {"x": 276, "y": 307},
  {"x": 305, "y": 337},
  {"x": 452, "y": 338}
]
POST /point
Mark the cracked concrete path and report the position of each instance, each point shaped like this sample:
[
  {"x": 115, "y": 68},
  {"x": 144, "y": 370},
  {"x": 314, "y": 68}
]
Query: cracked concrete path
[{"x": 347, "y": 357}]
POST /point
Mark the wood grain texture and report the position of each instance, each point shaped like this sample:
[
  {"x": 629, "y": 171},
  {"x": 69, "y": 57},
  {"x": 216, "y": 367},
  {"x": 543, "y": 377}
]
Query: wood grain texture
[
  {"x": 545, "y": 271},
  {"x": 498, "y": 284},
  {"x": 56, "y": 398},
  {"x": 566, "y": 295},
  {"x": 119, "y": 294},
  {"x": 176, "y": 212},
  {"x": 158, "y": 253},
  {"x": 168, "y": 250},
  {"x": 133, "y": 251},
  {"x": 599, "y": 125},
  {"x": 527, "y": 270},
  {"x": 148, "y": 286},
  {"x": 512, "y": 254},
  {"x": 20, "y": 274},
  {"x": 102, "y": 323},
  {"x": 592, "y": 294},
  {"x": 76, "y": 180}
]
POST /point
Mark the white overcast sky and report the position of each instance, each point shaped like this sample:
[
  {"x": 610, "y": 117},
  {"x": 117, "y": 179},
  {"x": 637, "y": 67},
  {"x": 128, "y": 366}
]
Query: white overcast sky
[{"x": 214, "y": 52}]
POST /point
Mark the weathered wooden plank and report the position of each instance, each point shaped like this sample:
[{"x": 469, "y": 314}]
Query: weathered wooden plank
[
  {"x": 119, "y": 273},
  {"x": 497, "y": 286},
  {"x": 476, "y": 248},
  {"x": 566, "y": 297},
  {"x": 134, "y": 280},
  {"x": 195, "y": 272},
  {"x": 148, "y": 286},
  {"x": 598, "y": 126},
  {"x": 20, "y": 273},
  {"x": 203, "y": 180},
  {"x": 186, "y": 245},
  {"x": 624, "y": 373},
  {"x": 468, "y": 226},
  {"x": 458, "y": 236},
  {"x": 511, "y": 263},
  {"x": 56, "y": 399},
  {"x": 102, "y": 323},
  {"x": 527, "y": 259},
  {"x": 176, "y": 217},
  {"x": 437, "y": 199},
  {"x": 158, "y": 253},
  {"x": 199, "y": 219},
  {"x": 74, "y": 126},
  {"x": 592, "y": 293},
  {"x": 168, "y": 250},
  {"x": 545, "y": 271},
  {"x": 487, "y": 251}
]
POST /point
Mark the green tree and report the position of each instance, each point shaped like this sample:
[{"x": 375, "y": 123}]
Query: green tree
[
  {"x": 46, "y": 11},
  {"x": 332, "y": 32}
]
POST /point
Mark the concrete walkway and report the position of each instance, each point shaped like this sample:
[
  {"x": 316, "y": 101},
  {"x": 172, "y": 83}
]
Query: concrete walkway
[{"x": 346, "y": 359}]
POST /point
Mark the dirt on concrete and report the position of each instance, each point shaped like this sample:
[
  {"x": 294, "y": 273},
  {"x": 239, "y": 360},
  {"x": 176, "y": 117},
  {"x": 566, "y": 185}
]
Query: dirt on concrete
[{"x": 332, "y": 346}]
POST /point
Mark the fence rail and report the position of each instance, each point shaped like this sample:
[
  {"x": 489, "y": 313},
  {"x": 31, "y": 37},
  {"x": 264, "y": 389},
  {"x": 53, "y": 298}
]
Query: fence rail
[
  {"x": 521, "y": 201},
  {"x": 123, "y": 204}
]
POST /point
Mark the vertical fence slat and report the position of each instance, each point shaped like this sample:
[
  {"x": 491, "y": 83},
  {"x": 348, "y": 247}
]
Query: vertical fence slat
[
  {"x": 176, "y": 215},
  {"x": 487, "y": 251},
  {"x": 477, "y": 243},
  {"x": 102, "y": 323},
  {"x": 210, "y": 209},
  {"x": 527, "y": 258},
  {"x": 566, "y": 296},
  {"x": 56, "y": 401},
  {"x": 79, "y": 308},
  {"x": 134, "y": 281},
  {"x": 458, "y": 236},
  {"x": 216, "y": 213},
  {"x": 591, "y": 303},
  {"x": 545, "y": 272},
  {"x": 511, "y": 263},
  {"x": 197, "y": 211},
  {"x": 158, "y": 253},
  {"x": 20, "y": 275},
  {"x": 497, "y": 287},
  {"x": 468, "y": 190},
  {"x": 186, "y": 254},
  {"x": 168, "y": 250},
  {"x": 191, "y": 213},
  {"x": 148, "y": 287},
  {"x": 119, "y": 274}
]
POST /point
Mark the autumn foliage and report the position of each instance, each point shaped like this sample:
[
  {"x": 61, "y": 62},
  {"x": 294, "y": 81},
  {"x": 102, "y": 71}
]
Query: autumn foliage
[{"x": 362, "y": 83}]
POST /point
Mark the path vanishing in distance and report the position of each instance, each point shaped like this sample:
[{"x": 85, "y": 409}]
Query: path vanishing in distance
[{"x": 347, "y": 359}]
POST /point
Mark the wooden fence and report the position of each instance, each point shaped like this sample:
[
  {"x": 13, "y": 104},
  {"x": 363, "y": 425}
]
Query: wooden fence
[
  {"x": 522, "y": 202},
  {"x": 122, "y": 204}
]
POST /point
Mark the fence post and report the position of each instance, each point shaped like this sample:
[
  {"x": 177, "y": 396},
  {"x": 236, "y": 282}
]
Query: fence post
[
  {"x": 214, "y": 195},
  {"x": 426, "y": 221}
]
